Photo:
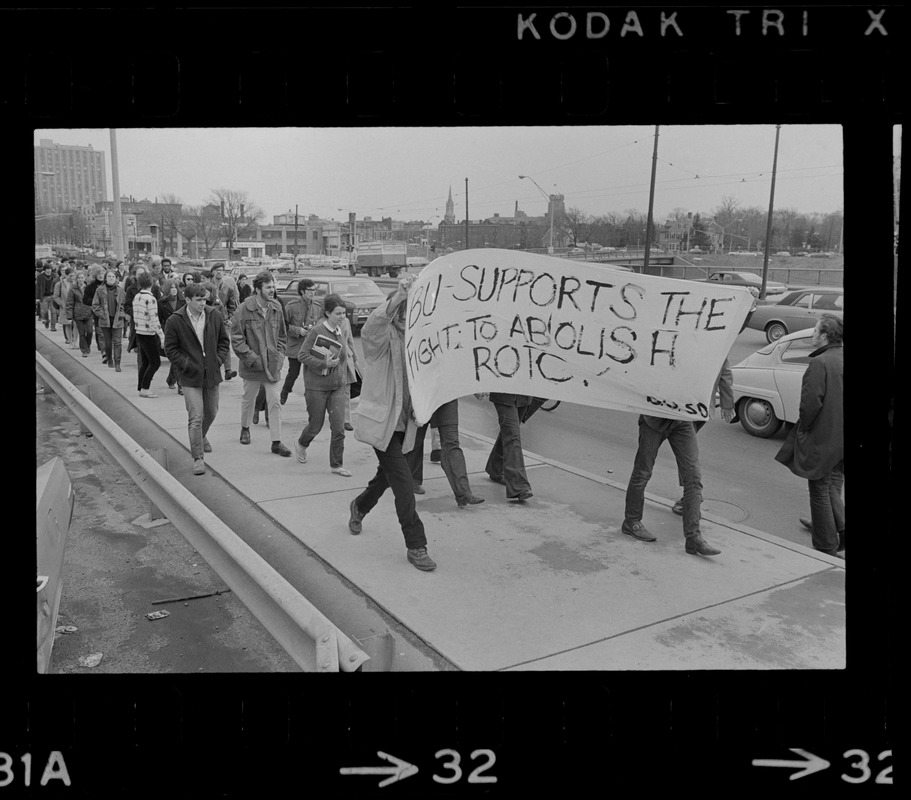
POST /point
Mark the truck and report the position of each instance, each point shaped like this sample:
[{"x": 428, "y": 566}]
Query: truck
[{"x": 375, "y": 258}]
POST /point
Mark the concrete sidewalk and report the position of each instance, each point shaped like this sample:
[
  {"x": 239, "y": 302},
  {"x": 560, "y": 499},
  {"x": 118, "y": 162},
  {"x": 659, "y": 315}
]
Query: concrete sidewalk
[{"x": 548, "y": 584}]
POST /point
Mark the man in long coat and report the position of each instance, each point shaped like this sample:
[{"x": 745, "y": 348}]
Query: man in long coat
[{"x": 815, "y": 447}]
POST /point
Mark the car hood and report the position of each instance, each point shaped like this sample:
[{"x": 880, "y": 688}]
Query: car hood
[{"x": 363, "y": 299}]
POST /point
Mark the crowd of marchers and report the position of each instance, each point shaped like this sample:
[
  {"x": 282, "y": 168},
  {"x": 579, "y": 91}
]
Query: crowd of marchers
[{"x": 197, "y": 320}]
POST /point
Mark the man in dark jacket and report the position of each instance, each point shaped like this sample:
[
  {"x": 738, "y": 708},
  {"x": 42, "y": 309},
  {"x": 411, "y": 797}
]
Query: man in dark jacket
[
  {"x": 44, "y": 296},
  {"x": 94, "y": 281},
  {"x": 196, "y": 341},
  {"x": 815, "y": 447}
]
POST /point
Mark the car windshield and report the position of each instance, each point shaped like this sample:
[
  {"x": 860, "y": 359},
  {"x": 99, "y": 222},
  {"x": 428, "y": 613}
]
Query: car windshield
[{"x": 360, "y": 288}]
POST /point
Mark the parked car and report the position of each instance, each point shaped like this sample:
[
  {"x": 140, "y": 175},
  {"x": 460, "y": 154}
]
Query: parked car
[
  {"x": 767, "y": 384},
  {"x": 361, "y": 295},
  {"x": 796, "y": 310},
  {"x": 783, "y": 254},
  {"x": 734, "y": 278},
  {"x": 696, "y": 250}
]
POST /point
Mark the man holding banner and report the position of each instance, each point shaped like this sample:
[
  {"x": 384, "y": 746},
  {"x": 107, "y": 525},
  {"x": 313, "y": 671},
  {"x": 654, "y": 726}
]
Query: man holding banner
[
  {"x": 682, "y": 436},
  {"x": 385, "y": 420}
]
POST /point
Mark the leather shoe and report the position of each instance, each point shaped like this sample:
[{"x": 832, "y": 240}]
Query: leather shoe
[
  {"x": 697, "y": 546},
  {"x": 349, "y": 426},
  {"x": 256, "y": 418},
  {"x": 435, "y": 456},
  {"x": 677, "y": 508},
  {"x": 638, "y": 531},
  {"x": 245, "y": 436},
  {"x": 418, "y": 489},
  {"x": 522, "y": 496},
  {"x": 469, "y": 500},
  {"x": 418, "y": 556},
  {"x": 283, "y": 398},
  {"x": 806, "y": 523},
  {"x": 354, "y": 523},
  {"x": 496, "y": 479},
  {"x": 280, "y": 450}
]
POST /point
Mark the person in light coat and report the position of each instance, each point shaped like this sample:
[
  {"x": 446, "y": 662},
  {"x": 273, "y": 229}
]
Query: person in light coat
[{"x": 385, "y": 420}]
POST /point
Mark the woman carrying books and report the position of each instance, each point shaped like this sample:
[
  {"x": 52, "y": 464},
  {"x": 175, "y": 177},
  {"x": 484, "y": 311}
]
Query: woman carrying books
[{"x": 324, "y": 357}]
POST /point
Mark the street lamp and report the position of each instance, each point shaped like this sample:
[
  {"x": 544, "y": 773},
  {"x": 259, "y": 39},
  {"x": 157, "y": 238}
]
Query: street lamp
[{"x": 550, "y": 203}]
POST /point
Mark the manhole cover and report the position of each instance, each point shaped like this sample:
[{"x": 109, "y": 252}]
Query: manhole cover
[{"x": 724, "y": 509}]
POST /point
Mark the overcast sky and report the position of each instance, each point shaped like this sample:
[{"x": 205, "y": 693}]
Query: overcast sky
[{"x": 406, "y": 173}]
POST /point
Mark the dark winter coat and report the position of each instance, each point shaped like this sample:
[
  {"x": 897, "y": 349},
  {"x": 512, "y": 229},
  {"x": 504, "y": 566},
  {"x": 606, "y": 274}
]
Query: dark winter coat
[
  {"x": 103, "y": 312},
  {"x": 76, "y": 307},
  {"x": 181, "y": 346},
  {"x": 816, "y": 444}
]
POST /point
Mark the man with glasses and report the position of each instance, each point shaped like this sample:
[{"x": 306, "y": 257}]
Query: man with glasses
[
  {"x": 196, "y": 343},
  {"x": 300, "y": 316}
]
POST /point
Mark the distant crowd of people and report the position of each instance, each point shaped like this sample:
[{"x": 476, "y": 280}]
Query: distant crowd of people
[{"x": 196, "y": 320}]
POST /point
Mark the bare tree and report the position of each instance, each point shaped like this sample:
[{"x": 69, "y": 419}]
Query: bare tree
[
  {"x": 203, "y": 224},
  {"x": 577, "y": 225},
  {"x": 171, "y": 218},
  {"x": 239, "y": 214},
  {"x": 728, "y": 211}
]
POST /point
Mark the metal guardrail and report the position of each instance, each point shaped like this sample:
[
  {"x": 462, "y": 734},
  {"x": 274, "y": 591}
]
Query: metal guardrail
[{"x": 311, "y": 640}]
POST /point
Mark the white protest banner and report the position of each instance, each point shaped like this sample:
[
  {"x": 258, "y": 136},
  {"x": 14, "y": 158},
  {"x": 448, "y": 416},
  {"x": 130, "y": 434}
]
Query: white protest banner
[{"x": 499, "y": 321}]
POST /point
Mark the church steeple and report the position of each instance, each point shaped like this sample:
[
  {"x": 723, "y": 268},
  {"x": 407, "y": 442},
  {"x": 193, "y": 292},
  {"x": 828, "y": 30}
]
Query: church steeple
[{"x": 449, "y": 217}]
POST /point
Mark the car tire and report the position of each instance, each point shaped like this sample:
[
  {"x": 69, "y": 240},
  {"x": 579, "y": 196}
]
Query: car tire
[
  {"x": 774, "y": 331},
  {"x": 758, "y": 418}
]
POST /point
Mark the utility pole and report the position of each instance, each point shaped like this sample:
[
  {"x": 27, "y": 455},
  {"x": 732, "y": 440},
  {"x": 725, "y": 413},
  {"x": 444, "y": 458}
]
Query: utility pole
[
  {"x": 768, "y": 230},
  {"x": 466, "y": 213},
  {"x": 295, "y": 235},
  {"x": 117, "y": 221},
  {"x": 651, "y": 205}
]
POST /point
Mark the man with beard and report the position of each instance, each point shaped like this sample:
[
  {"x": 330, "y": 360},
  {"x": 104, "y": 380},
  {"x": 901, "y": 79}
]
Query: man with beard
[{"x": 259, "y": 338}]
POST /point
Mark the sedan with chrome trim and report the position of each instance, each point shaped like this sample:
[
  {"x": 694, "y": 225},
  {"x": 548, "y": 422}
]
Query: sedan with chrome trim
[{"x": 798, "y": 309}]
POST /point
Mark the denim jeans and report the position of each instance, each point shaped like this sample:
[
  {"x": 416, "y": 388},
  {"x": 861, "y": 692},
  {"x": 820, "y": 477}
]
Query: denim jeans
[
  {"x": 506, "y": 459},
  {"x": 318, "y": 404},
  {"x": 682, "y": 437},
  {"x": 149, "y": 358},
  {"x": 827, "y": 509},
  {"x": 112, "y": 341},
  {"x": 452, "y": 459},
  {"x": 99, "y": 340},
  {"x": 273, "y": 404},
  {"x": 395, "y": 472},
  {"x": 49, "y": 311},
  {"x": 202, "y": 408},
  {"x": 84, "y": 326}
]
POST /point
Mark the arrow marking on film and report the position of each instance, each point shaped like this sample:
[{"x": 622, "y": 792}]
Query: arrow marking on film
[
  {"x": 399, "y": 772},
  {"x": 810, "y": 764}
]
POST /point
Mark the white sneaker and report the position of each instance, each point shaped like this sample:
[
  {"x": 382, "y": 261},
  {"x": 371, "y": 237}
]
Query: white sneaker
[
  {"x": 300, "y": 451},
  {"x": 147, "y": 393}
]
